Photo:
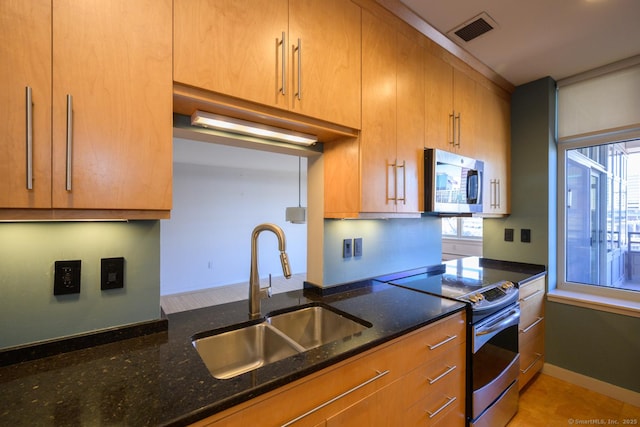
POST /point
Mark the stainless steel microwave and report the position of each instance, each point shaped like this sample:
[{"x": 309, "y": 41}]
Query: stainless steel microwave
[{"x": 452, "y": 183}]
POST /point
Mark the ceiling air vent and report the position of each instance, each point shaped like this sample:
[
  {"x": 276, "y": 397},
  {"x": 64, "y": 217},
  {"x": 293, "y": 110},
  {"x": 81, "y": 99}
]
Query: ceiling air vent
[{"x": 473, "y": 28}]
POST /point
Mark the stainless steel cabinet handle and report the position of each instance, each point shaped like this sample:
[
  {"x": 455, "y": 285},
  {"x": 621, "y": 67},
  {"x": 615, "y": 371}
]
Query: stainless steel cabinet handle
[
  {"x": 452, "y": 117},
  {"x": 404, "y": 183},
  {"x": 498, "y": 199},
  {"x": 449, "y": 401},
  {"x": 538, "y": 356},
  {"x": 531, "y": 326},
  {"x": 459, "y": 136},
  {"x": 443, "y": 342},
  {"x": 330, "y": 401},
  {"x": 299, "y": 50},
  {"x": 442, "y": 375},
  {"x": 283, "y": 51},
  {"x": 395, "y": 186},
  {"x": 29, "y": 141},
  {"x": 527, "y": 298},
  {"x": 69, "y": 139}
]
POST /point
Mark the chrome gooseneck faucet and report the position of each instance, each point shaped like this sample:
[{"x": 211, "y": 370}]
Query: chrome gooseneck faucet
[{"x": 255, "y": 291}]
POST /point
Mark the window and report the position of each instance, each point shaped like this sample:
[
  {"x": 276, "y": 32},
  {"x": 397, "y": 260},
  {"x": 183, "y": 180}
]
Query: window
[
  {"x": 462, "y": 228},
  {"x": 602, "y": 216}
]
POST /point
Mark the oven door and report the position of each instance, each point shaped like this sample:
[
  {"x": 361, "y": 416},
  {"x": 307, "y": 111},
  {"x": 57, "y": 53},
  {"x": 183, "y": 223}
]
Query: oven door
[{"x": 495, "y": 366}]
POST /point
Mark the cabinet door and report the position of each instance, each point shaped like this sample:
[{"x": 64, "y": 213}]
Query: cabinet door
[
  {"x": 325, "y": 68},
  {"x": 465, "y": 104},
  {"x": 114, "y": 59},
  {"x": 493, "y": 146},
  {"x": 233, "y": 47},
  {"x": 25, "y": 49},
  {"x": 438, "y": 103},
  {"x": 410, "y": 123},
  {"x": 378, "y": 136}
]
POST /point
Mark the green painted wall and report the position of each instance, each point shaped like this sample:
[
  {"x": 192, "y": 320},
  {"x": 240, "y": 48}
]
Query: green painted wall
[
  {"x": 29, "y": 312},
  {"x": 389, "y": 246},
  {"x": 594, "y": 343}
]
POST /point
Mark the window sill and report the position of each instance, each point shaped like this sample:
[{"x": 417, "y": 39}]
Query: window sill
[{"x": 595, "y": 302}]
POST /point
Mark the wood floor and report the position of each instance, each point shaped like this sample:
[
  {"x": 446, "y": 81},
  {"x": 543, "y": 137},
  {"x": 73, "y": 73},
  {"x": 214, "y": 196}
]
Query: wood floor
[{"x": 549, "y": 401}]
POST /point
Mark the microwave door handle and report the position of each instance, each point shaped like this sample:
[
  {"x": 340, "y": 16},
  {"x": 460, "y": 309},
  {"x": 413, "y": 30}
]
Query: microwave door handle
[{"x": 470, "y": 174}]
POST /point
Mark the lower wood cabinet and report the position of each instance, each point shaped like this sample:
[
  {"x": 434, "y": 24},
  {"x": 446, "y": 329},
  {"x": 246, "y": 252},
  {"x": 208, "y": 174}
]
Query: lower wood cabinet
[
  {"x": 416, "y": 379},
  {"x": 531, "y": 329}
]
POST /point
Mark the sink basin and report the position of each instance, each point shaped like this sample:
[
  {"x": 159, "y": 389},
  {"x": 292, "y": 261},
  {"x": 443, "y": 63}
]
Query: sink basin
[
  {"x": 229, "y": 353},
  {"x": 232, "y": 353},
  {"x": 316, "y": 325}
]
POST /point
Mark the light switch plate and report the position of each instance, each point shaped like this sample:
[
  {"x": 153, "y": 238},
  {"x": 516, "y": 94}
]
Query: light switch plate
[
  {"x": 111, "y": 273},
  {"x": 357, "y": 246},
  {"x": 347, "y": 250}
]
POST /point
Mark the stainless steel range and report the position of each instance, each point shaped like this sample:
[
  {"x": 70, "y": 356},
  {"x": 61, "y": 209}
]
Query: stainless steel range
[{"x": 492, "y": 335}]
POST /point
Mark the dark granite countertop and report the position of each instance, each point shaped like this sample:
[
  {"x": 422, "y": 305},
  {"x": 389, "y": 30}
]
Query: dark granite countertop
[{"x": 159, "y": 379}]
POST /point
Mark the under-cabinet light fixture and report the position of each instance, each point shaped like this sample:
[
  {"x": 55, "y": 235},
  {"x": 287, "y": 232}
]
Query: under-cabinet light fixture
[{"x": 215, "y": 121}]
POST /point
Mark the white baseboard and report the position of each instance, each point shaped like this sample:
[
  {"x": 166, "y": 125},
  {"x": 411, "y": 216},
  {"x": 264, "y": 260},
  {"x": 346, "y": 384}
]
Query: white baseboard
[{"x": 619, "y": 393}]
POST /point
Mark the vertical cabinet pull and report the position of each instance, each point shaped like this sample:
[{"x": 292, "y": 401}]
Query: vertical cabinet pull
[
  {"x": 340, "y": 396},
  {"x": 283, "y": 69},
  {"x": 69, "y": 140},
  {"x": 29, "y": 138},
  {"x": 452, "y": 118},
  {"x": 403, "y": 199},
  {"x": 459, "y": 135},
  {"x": 395, "y": 186},
  {"x": 298, "y": 49},
  {"x": 449, "y": 401}
]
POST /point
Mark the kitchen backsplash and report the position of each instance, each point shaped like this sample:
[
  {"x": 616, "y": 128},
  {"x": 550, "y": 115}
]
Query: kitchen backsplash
[{"x": 29, "y": 311}]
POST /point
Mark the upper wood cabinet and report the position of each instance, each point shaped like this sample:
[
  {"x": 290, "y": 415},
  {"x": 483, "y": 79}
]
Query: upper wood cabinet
[
  {"x": 451, "y": 100},
  {"x": 391, "y": 144},
  {"x": 25, "y": 147},
  {"x": 493, "y": 142},
  {"x": 287, "y": 54},
  {"x": 100, "y": 79}
]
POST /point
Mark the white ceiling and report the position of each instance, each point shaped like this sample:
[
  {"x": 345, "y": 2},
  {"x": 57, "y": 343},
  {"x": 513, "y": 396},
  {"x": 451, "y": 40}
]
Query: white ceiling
[{"x": 539, "y": 38}]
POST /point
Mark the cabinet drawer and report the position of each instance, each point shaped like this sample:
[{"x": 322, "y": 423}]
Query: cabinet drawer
[
  {"x": 441, "y": 410},
  {"x": 440, "y": 375},
  {"x": 530, "y": 288},
  {"x": 436, "y": 339},
  {"x": 530, "y": 312},
  {"x": 531, "y": 356}
]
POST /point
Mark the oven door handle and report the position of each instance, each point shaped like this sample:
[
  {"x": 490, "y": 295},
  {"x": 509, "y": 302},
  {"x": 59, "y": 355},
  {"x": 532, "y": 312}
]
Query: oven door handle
[{"x": 503, "y": 322}]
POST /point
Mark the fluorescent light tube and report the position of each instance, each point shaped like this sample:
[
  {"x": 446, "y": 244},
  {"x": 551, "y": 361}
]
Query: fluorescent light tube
[{"x": 214, "y": 121}]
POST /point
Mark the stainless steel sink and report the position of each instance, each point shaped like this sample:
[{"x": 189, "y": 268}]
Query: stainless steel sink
[
  {"x": 316, "y": 325},
  {"x": 233, "y": 352}
]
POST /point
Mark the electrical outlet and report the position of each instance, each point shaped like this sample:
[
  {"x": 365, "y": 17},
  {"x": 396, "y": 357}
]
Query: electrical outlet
[
  {"x": 357, "y": 246},
  {"x": 66, "y": 277},
  {"x": 525, "y": 235},
  {"x": 508, "y": 234},
  {"x": 346, "y": 248},
  {"x": 111, "y": 273}
]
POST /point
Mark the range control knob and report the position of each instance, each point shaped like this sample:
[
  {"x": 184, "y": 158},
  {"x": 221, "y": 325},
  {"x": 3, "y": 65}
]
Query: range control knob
[
  {"x": 474, "y": 299},
  {"x": 480, "y": 297},
  {"x": 507, "y": 285}
]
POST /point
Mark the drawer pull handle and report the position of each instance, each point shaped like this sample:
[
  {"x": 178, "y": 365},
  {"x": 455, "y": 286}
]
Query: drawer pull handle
[
  {"x": 531, "y": 296},
  {"x": 330, "y": 401},
  {"x": 449, "y": 338},
  {"x": 524, "y": 371},
  {"x": 449, "y": 401},
  {"x": 528, "y": 328},
  {"x": 442, "y": 375}
]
